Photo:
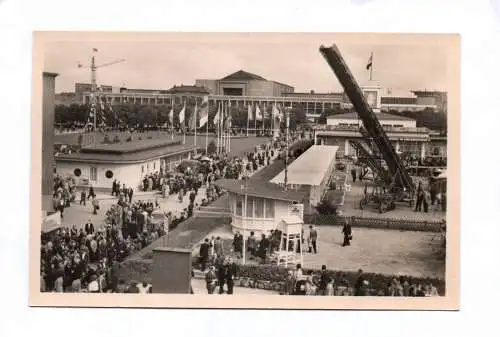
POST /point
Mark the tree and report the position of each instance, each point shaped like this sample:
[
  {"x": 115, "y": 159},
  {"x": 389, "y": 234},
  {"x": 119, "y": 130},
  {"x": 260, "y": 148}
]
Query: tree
[{"x": 211, "y": 148}]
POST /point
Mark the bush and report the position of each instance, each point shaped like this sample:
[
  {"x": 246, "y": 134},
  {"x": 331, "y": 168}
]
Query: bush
[
  {"x": 129, "y": 139},
  {"x": 116, "y": 139},
  {"x": 326, "y": 208}
]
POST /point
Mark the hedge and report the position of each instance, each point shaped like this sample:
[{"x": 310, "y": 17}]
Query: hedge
[
  {"x": 272, "y": 277},
  {"x": 378, "y": 223},
  {"x": 276, "y": 275}
]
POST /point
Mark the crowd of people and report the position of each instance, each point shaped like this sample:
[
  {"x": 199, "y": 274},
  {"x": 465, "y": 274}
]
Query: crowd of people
[
  {"x": 88, "y": 259},
  {"x": 323, "y": 284},
  {"x": 221, "y": 271}
]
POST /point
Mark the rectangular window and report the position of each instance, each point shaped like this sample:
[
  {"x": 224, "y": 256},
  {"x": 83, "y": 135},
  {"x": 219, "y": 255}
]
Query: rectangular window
[
  {"x": 269, "y": 209},
  {"x": 93, "y": 173},
  {"x": 239, "y": 206},
  {"x": 258, "y": 205},
  {"x": 142, "y": 168},
  {"x": 249, "y": 211}
]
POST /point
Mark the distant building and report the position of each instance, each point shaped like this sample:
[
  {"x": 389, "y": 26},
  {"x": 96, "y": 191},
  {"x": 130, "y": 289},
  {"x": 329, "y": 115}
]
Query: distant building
[
  {"x": 340, "y": 130},
  {"x": 243, "y": 83},
  {"x": 68, "y": 98},
  {"x": 243, "y": 88},
  {"x": 436, "y": 98}
]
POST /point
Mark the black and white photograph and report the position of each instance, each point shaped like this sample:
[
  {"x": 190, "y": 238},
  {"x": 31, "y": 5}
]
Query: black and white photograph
[{"x": 245, "y": 170}]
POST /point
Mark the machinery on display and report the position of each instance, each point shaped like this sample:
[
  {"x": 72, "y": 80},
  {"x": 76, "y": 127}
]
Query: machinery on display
[{"x": 392, "y": 182}]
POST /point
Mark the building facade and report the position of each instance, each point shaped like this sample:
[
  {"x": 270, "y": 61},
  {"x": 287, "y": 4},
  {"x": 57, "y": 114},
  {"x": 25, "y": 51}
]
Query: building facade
[
  {"x": 341, "y": 130},
  {"x": 128, "y": 163},
  {"x": 243, "y": 88},
  {"x": 48, "y": 133}
]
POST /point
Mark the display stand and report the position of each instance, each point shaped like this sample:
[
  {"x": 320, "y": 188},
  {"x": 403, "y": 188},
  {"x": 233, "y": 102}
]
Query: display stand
[{"x": 290, "y": 249}]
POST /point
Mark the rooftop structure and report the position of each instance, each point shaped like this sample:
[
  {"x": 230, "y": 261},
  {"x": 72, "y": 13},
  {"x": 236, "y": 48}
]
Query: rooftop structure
[
  {"x": 123, "y": 153},
  {"x": 310, "y": 168}
]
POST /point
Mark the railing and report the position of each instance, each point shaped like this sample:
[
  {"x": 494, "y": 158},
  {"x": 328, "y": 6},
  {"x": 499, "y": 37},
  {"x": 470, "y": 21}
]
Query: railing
[
  {"x": 277, "y": 99},
  {"x": 268, "y": 99},
  {"x": 324, "y": 127}
]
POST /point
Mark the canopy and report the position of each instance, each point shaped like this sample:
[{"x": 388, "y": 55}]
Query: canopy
[{"x": 310, "y": 168}]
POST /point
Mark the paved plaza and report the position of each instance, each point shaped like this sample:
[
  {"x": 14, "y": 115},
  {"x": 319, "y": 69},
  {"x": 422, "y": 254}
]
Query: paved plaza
[
  {"x": 389, "y": 252},
  {"x": 78, "y": 214},
  {"x": 402, "y": 211}
]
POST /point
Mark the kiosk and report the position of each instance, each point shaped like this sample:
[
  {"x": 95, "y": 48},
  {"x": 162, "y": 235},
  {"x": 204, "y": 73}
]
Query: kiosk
[{"x": 290, "y": 251}]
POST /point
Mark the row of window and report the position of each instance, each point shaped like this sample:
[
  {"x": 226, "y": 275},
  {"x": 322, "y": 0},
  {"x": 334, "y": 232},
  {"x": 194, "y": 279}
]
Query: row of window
[
  {"x": 255, "y": 207},
  {"x": 93, "y": 173}
]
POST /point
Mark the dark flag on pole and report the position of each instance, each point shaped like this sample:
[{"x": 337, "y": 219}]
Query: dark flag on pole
[{"x": 370, "y": 62}]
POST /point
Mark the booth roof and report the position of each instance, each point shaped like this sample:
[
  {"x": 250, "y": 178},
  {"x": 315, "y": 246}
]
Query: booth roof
[
  {"x": 310, "y": 168},
  {"x": 261, "y": 189},
  {"x": 292, "y": 219}
]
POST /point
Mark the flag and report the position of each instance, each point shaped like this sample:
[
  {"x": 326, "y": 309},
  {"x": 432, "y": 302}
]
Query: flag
[
  {"x": 276, "y": 113},
  {"x": 250, "y": 115},
  {"x": 95, "y": 50},
  {"x": 217, "y": 115},
  {"x": 171, "y": 115},
  {"x": 258, "y": 113},
  {"x": 182, "y": 114},
  {"x": 228, "y": 123},
  {"x": 370, "y": 62},
  {"x": 203, "y": 112},
  {"x": 193, "y": 118}
]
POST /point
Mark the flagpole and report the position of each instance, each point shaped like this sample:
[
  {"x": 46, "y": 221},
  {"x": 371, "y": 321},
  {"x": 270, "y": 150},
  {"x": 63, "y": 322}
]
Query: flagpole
[
  {"x": 263, "y": 120},
  {"x": 172, "y": 118},
  {"x": 194, "y": 122},
  {"x": 184, "y": 125},
  {"x": 217, "y": 127},
  {"x": 248, "y": 120},
  {"x": 206, "y": 137},
  {"x": 222, "y": 138},
  {"x": 371, "y": 67},
  {"x": 255, "y": 121},
  {"x": 226, "y": 130}
]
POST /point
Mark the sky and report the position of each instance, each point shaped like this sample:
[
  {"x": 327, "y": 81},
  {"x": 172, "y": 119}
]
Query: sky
[{"x": 162, "y": 61}]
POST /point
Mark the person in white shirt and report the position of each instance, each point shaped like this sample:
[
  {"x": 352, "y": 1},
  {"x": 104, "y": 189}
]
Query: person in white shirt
[{"x": 144, "y": 288}]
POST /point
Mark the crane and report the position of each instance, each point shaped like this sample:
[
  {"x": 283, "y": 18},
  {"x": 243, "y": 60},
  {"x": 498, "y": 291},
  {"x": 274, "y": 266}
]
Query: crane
[
  {"x": 377, "y": 140},
  {"x": 94, "y": 92}
]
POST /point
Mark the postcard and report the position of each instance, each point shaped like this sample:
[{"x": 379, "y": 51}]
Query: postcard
[{"x": 245, "y": 170}]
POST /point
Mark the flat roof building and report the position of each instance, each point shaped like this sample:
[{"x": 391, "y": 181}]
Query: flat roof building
[
  {"x": 127, "y": 162},
  {"x": 312, "y": 171}
]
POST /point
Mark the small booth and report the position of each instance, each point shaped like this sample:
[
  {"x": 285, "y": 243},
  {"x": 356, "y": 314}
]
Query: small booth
[{"x": 290, "y": 250}]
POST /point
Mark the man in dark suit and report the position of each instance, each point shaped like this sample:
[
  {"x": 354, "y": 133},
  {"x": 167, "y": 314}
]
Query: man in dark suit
[
  {"x": 313, "y": 235},
  {"x": 347, "y": 231},
  {"x": 231, "y": 270},
  {"x": 221, "y": 276},
  {"x": 89, "y": 227},
  {"x": 204, "y": 252}
]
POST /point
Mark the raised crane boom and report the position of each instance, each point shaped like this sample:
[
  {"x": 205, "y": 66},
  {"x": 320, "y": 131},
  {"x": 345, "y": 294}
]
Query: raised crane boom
[{"x": 372, "y": 125}]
